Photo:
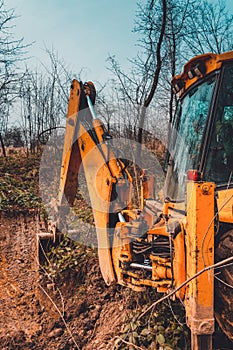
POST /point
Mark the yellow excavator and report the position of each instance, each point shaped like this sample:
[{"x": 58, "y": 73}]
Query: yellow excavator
[{"x": 180, "y": 242}]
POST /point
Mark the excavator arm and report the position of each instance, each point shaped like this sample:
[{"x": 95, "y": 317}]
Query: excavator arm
[{"x": 87, "y": 144}]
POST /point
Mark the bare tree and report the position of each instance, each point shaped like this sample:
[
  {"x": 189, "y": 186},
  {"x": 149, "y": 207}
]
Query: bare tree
[
  {"x": 209, "y": 28},
  {"x": 139, "y": 87},
  {"x": 44, "y": 97},
  {"x": 11, "y": 52},
  {"x": 171, "y": 32}
]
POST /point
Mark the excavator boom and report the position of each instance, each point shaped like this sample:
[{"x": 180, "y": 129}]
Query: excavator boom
[{"x": 86, "y": 143}]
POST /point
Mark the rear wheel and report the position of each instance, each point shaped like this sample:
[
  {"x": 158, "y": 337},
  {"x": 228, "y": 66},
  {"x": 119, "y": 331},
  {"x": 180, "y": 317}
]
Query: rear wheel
[{"x": 224, "y": 286}]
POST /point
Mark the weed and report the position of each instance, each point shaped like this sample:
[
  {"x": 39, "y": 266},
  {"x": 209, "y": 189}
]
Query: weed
[
  {"x": 68, "y": 257},
  {"x": 19, "y": 184},
  {"x": 159, "y": 330}
]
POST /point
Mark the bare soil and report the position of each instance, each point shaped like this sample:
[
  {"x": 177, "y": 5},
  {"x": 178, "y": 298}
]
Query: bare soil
[{"x": 79, "y": 313}]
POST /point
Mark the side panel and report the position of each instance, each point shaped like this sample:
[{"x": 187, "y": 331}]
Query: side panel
[
  {"x": 200, "y": 254},
  {"x": 225, "y": 205}
]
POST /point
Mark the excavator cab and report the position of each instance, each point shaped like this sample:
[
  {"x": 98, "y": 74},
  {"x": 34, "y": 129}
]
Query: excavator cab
[{"x": 202, "y": 130}]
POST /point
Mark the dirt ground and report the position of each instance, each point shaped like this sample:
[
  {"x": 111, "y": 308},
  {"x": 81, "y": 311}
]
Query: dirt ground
[
  {"x": 79, "y": 312},
  {"x": 82, "y": 313}
]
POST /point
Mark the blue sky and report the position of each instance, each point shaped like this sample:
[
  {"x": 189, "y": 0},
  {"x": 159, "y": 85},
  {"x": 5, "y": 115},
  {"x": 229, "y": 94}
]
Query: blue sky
[{"x": 83, "y": 33}]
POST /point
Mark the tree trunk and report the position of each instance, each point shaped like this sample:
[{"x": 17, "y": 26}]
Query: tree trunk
[
  {"x": 3, "y": 146},
  {"x": 151, "y": 93}
]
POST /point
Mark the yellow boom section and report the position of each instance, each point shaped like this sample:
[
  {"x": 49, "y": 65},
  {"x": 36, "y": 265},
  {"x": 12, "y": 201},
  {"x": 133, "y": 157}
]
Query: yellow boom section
[{"x": 84, "y": 145}]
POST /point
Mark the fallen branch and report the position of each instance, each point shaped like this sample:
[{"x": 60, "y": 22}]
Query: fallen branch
[
  {"x": 208, "y": 268},
  {"x": 62, "y": 317},
  {"x": 128, "y": 343}
]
